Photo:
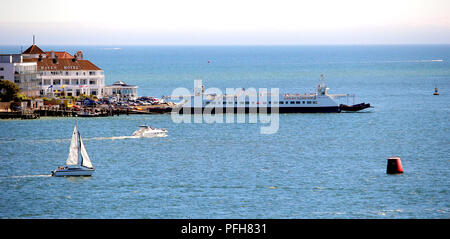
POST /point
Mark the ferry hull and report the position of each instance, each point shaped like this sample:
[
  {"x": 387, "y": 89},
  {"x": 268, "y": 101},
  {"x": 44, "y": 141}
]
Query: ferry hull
[{"x": 246, "y": 110}]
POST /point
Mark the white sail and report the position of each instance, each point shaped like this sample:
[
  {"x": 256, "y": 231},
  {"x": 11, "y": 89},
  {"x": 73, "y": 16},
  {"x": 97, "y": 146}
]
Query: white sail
[
  {"x": 72, "y": 159},
  {"x": 86, "y": 161}
]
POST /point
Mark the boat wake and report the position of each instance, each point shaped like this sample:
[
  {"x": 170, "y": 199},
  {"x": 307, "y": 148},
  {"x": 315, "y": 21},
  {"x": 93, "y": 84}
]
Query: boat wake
[
  {"x": 28, "y": 176},
  {"x": 67, "y": 140},
  {"x": 125, "y": 137}
]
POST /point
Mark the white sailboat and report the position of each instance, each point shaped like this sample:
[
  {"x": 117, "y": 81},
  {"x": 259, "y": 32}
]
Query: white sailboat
[{"x": 78, "y": 162}]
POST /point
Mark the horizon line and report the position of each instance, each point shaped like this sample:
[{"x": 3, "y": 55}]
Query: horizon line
[{"x": 255, "y": 44}]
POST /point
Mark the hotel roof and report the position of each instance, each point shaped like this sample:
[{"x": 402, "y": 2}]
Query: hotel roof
[
  {"x": 59, "y": 54},
  {"x": 33, "y": 49},
  {"x": 47, "y": 64}
]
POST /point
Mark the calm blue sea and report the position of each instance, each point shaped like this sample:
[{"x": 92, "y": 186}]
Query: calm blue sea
[{"x": 315, "y": 166}]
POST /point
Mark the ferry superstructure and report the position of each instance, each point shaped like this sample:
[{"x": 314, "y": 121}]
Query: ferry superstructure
[{"x": 245, "y": 101}]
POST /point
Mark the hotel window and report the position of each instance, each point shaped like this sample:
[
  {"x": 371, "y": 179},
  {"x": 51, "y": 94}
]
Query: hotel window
[
  {"x": 47, "y": 82},
  {"x": 92, "y": 73},
  {"x": 67, "y": 73},
  {"x": 82, "y": 82},
  {"x": 66, "y": 82},
  {"x": 57, "y": 82},
  {"x": 2, "y": 77},
  {"x": 1, "y": 69},
  {"x": 91, "y": 82},
  {"x": 74, "y": 81}
]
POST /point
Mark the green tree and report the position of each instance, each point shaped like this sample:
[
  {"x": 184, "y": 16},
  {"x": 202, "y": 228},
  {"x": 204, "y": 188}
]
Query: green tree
[{"x": 8, "y": 90}]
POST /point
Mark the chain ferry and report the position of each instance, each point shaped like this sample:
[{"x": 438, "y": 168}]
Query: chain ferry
[{"x": 243, "y": 101}]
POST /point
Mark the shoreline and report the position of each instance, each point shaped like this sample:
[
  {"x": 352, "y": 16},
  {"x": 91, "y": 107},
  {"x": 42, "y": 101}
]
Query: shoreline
[{"x": 47, "y": 111}]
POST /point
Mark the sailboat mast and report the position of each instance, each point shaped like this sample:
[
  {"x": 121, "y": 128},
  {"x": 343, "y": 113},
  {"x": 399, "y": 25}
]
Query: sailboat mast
[{"x": 79, "y": 148}]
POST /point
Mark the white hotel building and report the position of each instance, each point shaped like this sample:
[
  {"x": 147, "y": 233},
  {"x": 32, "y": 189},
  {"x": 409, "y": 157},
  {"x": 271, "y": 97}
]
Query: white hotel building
[
  {"x": 24, "y": 74},
  {"x": 60, "y": 72}
]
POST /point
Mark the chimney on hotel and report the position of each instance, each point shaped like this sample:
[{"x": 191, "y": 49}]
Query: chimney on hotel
[{"x": 79, "y": 55}]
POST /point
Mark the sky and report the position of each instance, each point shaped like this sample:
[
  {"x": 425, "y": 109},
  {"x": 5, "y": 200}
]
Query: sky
[{"x": 226, "y": 22}]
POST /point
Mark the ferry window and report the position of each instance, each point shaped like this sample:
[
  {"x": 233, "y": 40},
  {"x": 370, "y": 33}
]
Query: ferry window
[
  {"x": 230, "y": 102},
  {"x": 281, "y": 102},
  {"x": 270, "y": 102},
  {"x": 224, "y": 102},
  {"x": 297, "y": 102},
  {"x": 303, "y": 102},
  {"x": 314, "y": 102},
  {"x": 241, "y": 102},
  {"x": 308, "y": 102},
  {"x": 292, "y": 102},
  {"x": 246, "y": 102}
]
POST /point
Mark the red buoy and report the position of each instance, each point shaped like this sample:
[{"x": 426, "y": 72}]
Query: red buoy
[{"x": 394, "y": 165}]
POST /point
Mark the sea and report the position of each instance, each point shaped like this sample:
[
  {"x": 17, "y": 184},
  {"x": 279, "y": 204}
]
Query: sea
[{"x": 314, "y": 166}]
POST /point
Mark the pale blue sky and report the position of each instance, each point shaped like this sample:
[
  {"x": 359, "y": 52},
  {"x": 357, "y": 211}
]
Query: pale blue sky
[{"x": 227, "y": 22}]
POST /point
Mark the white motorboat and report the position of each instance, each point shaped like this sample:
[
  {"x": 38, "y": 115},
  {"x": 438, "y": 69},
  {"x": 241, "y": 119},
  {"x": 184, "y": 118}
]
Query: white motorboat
[
  {"x": 148, "y": 131},
  {"x": 78, "y": 162}
]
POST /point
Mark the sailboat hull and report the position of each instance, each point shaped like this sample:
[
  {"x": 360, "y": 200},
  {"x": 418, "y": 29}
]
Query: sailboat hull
[{"x": 82, "y": 171}]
